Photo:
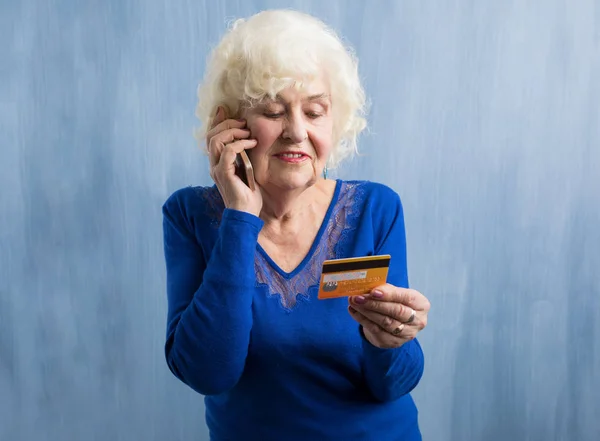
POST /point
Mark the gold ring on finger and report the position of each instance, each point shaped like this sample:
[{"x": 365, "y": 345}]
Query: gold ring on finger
[{"x": 411, "y": 318}]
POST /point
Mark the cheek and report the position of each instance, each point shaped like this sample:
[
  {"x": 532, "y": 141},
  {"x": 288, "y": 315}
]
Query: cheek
[
  {"x": 265, "y": 136},
  {"x": 322, "y": 141},
  {"x": 265, "y": 133}
]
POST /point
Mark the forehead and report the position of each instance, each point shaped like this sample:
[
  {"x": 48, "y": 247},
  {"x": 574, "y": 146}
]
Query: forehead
[{"x": 314, "y": 90}]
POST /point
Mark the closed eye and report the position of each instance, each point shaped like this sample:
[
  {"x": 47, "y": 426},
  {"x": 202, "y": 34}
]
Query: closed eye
[{"x": 273, "y": 115}]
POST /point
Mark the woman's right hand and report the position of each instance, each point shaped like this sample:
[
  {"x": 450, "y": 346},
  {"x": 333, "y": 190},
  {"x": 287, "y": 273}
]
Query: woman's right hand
[{"x": 225, "y": 139}]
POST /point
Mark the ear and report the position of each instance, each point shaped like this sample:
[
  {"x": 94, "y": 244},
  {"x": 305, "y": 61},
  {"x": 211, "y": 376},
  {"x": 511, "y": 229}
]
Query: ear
[{"x": 220, "y": 116}]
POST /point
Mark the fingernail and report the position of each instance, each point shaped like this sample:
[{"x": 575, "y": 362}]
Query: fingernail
[
  {"x": 351, "y": 310},
  {"x": 376, "y": 294},
  {"x": 360, "y": 300}
]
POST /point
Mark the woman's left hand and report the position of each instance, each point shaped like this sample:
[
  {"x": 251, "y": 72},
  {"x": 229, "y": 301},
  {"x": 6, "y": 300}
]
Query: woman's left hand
[{"x": 390, "y": 316}]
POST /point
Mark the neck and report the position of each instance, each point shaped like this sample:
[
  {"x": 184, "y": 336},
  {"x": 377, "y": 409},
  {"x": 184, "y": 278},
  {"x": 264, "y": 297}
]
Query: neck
[{"x": 285, "y": 205}]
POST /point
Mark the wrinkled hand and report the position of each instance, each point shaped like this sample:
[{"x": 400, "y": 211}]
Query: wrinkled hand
[
  {"x": 225, "y": 139},
  {"x": 385, "y": 315}
]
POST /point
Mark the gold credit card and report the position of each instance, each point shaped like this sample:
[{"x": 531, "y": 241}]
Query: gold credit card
[{"x": 354, "y": 276}]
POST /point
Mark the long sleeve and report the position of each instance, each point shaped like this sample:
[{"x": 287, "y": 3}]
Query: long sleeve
[
  {"x": 392, "y": 373},
  {"x": 209, "y": 302}
]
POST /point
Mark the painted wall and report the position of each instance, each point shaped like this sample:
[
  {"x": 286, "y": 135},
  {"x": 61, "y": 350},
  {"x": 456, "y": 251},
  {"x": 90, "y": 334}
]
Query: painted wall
[{"x": 485, "y": 118}]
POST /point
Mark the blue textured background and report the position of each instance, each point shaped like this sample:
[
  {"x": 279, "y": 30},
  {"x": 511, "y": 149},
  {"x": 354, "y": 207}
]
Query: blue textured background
[{"x": 485, "y": 118}]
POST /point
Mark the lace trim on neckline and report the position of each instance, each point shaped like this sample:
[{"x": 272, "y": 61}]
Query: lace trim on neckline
[{"x": 303, "y": 284}]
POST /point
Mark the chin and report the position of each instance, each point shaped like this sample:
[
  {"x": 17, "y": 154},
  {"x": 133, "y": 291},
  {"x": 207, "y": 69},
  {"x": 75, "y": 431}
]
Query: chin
[{"x": 292, "y": 181}]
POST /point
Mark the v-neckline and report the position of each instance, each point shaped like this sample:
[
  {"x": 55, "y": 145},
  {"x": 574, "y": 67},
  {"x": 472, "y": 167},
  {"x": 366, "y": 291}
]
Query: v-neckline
[{"x": 316, "y": 241}]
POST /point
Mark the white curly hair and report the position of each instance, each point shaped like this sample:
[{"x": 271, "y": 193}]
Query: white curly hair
[{"x": 260, "y": 56}]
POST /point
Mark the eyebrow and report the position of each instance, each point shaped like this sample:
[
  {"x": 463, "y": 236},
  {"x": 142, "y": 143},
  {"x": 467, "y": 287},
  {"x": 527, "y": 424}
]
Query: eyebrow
[
  {"x": 318, "y": 97},
  {"x": 315, "y": 97}
]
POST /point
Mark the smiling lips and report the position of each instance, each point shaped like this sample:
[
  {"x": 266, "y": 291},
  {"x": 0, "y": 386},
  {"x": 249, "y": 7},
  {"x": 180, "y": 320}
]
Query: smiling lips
[{"x": 292, "y": 157}]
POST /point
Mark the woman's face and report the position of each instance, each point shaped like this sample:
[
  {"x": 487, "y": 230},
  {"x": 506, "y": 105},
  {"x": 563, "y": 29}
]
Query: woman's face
[{"x": 294, "y": 134}]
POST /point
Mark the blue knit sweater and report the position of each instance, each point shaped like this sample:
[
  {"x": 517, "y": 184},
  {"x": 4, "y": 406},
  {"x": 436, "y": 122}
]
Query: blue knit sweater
[{"x": 273, "y": 361}]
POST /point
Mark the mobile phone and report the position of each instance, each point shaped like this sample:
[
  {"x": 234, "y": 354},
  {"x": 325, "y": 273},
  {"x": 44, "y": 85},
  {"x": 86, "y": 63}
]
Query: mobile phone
[{"x": 243, "y": 169}]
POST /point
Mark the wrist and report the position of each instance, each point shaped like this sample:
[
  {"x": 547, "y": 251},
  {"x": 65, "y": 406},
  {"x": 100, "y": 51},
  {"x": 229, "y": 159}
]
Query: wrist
[
  {"x": 244, "y": 209},
  {"x": 237, "y": 215}
]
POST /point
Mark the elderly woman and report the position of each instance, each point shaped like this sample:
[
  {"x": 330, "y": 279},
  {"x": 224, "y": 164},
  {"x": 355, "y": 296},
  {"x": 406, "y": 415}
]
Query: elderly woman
[{"x": 245, "y": 327}]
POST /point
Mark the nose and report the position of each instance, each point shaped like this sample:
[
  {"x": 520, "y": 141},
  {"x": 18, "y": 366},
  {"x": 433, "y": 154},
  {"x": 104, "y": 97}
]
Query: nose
[{"x": 295, "y": 130}]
